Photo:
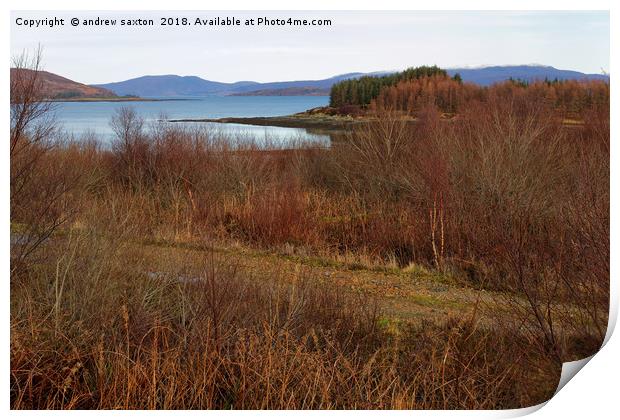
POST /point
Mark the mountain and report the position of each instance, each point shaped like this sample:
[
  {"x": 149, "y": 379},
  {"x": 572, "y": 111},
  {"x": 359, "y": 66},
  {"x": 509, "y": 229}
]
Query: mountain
[
  {"x": 486, "y": 76},
  {"x": 57, "y": 87},
  {"x": 172, "y": 85},
  {"x": 292, "y": 91},
  {"x": 311, "y": 85}
]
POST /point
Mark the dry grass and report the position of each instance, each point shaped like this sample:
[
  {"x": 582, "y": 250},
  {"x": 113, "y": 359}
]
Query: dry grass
[{"x": 97, "y": 330}]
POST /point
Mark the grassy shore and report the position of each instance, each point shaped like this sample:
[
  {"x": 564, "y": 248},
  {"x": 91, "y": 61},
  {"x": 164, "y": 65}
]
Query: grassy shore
[
  {"x": 301, "y": 120},
  {"x": 325, "y": 120}
]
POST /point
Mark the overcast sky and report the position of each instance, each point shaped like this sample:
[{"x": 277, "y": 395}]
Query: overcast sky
[{"x": 355, "y": 41}]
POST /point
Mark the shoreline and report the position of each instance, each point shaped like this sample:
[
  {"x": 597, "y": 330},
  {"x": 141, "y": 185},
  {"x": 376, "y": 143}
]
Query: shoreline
[
  {"x": 316, "y": 119},
  {"x": 319, "y": 123},
  {"x": 306, "y": 121}
]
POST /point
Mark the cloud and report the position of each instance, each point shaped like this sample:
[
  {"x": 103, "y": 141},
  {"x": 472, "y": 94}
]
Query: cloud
[{"x": 356, "y": 41}]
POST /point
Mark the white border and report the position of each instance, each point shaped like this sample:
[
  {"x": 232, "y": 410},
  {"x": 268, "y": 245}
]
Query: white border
[{"x": 591, "y": 395}]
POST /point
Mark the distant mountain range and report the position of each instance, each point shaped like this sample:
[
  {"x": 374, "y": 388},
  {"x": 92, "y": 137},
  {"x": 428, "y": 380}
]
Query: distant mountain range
[
  {"x": 58, "y": 87},
  {"x": 172, "y": 85},
  {"x": 291, "y": 91},
  {"x": 486, "y": 76}
]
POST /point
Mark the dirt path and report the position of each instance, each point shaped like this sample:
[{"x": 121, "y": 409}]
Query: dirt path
[{"x": 416, "y": 296}]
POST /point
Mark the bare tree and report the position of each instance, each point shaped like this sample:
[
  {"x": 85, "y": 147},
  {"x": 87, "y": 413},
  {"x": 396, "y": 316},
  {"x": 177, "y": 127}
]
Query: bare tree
[
  {"x": 32, "y": 122},
  {"x": 37, "y": 187},
  {"x": 130, "y": 146}
]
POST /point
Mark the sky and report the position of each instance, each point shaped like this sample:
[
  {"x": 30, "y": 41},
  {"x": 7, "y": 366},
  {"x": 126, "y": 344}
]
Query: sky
[{"x": 354, "y": 42}]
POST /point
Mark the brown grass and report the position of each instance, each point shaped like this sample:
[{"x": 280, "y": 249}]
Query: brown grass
[{"x": 114, "y": 335}]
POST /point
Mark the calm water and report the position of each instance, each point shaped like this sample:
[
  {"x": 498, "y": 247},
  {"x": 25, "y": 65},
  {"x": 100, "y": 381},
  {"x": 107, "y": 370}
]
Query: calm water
[{"x": 80, "y": 118}]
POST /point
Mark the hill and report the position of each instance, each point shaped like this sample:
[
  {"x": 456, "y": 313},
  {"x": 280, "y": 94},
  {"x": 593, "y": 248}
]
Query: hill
[
  {"x": 173, "y": 85},
  {"x": 486, "y": 76},
  {"x": 58, "y": 87},
  {"x": 292, "y": 91}
]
